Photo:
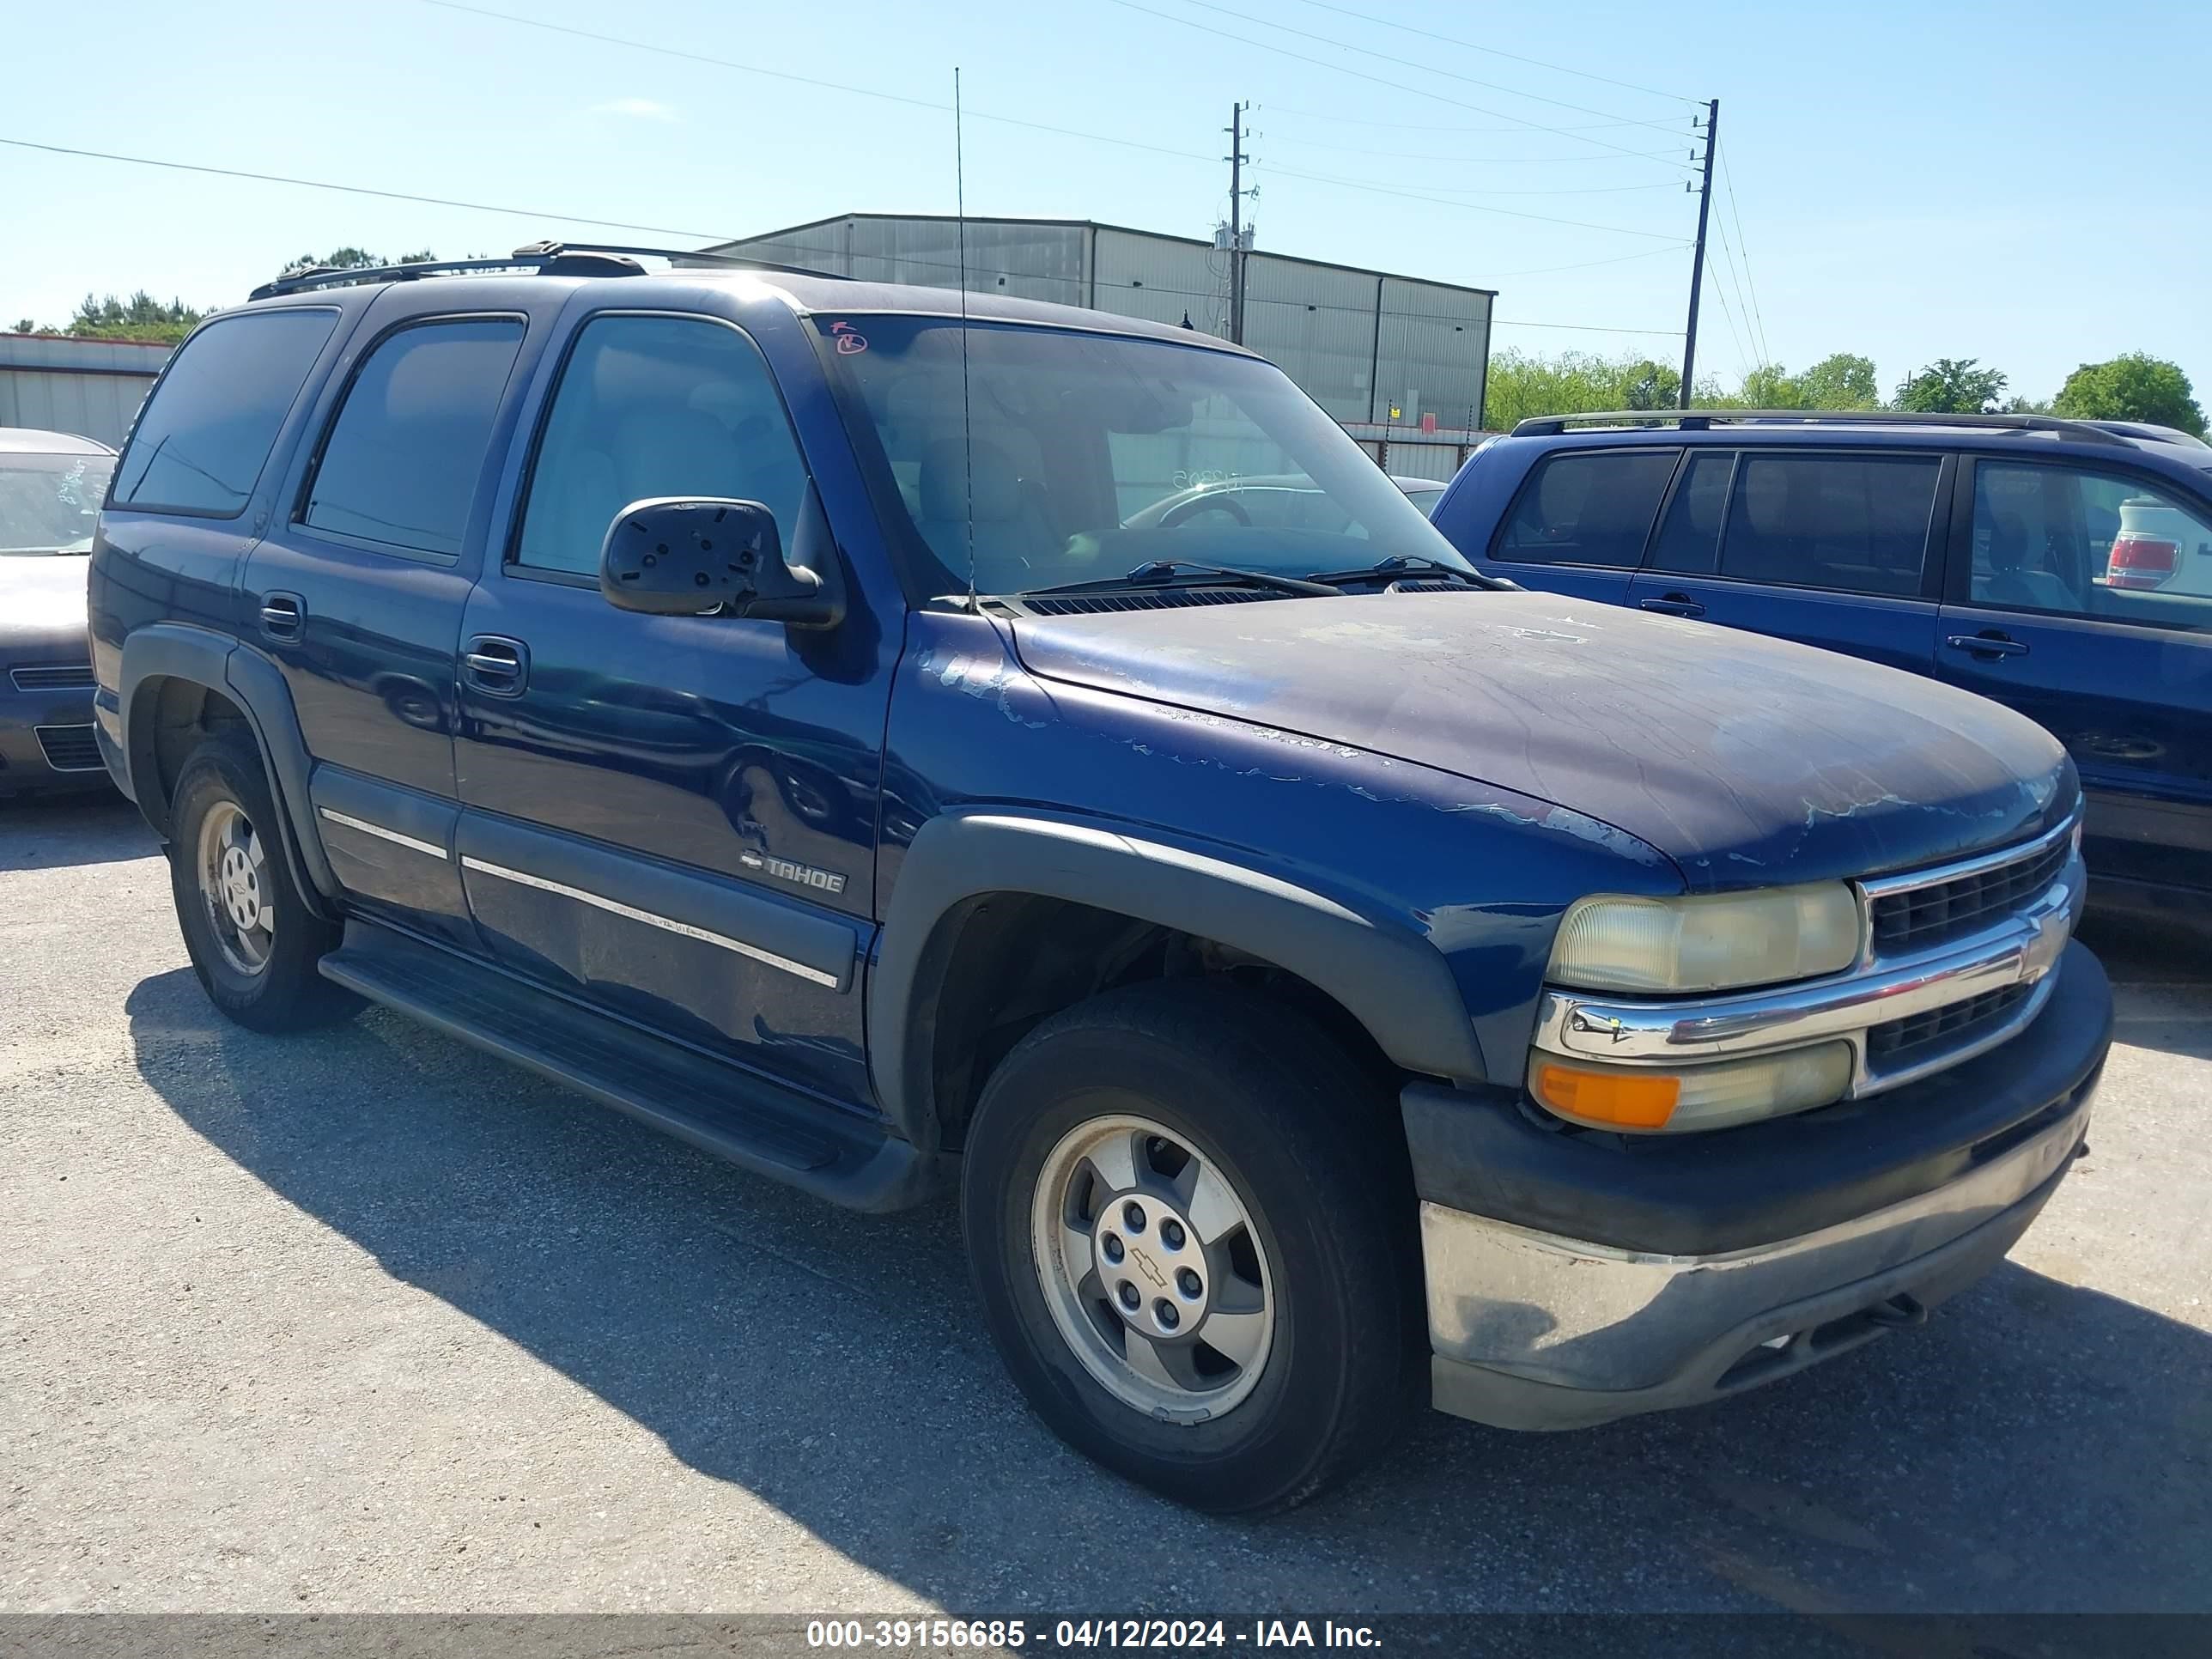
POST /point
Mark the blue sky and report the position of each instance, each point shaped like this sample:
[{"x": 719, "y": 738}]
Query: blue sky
[{"x": 2021, "y": 182}]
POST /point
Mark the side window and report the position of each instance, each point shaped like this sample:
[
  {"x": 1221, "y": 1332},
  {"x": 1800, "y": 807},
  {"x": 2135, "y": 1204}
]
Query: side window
[
  {"x": 1853, "y": 524},
  {"x": 1587, "y": 509},
  {"x": 400, "y": 464},
  {"x": 1690, "y": 541},
  {"x": 655, "y": 406},
  {"x": 201, "y": 444},
  {"x": 2076, "y": 543}
]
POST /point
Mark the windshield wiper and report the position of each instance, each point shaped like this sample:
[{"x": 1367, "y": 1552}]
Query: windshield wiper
[
  {"x": 1403, "y": 564},
  {"x": 1160, "y": 572}
]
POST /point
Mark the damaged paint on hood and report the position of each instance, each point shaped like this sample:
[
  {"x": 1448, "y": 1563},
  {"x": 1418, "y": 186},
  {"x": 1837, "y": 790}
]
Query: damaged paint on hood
[{"x": 1745, "y": 760}]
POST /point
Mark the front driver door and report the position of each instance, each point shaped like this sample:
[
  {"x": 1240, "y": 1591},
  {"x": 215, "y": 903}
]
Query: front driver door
[{"x": 671, "y": 818}]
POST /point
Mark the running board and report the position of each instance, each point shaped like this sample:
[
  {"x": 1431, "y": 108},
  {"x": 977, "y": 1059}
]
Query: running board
[{"x": 716, "y": 1107}]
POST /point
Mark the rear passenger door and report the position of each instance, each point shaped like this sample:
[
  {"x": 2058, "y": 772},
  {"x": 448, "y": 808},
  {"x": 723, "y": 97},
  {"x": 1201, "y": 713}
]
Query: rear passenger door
[
  {"x": 356, "y": 591},
  {"x": 2122, "y": 675},
  {"x": 1580, "y": 519},
  {"x": 1828, "y": 547}
]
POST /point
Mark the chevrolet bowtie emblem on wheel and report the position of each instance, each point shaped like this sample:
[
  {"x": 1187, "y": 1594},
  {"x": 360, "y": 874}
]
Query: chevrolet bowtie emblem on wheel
[
  {"x": 800, "y": 875},
  {"x": 1146, "y": 1265}
]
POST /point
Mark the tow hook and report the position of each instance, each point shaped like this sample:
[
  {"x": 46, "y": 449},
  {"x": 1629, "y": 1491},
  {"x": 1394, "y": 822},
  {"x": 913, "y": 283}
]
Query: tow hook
[{"x": 1900, "y": 1312}]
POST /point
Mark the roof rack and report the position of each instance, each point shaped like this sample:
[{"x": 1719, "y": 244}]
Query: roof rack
[
  {"x": 538, "y": 258},
  {"x": 1702, "y": 420}
]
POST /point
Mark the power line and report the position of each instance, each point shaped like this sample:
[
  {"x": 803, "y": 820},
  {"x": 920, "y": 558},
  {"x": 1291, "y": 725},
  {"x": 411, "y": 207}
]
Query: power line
[
  {"x": 1471, "y": 207},
  {"x": 810, "y": 80},
  {"x": 1728, "y": 180},
  {"x": 1587, "y": 328},
  {"x": 621, "y": 224},
  {"x": 1454, "y": 40},
  {"x": 365, "y": 190},
  {"x": 1571, "y": 190},
  {"x": 1728, "y": 257},
  {"x": 1744, "y": 355},
  {"x": 1466, "y": 161},
  {"x": 1362, "y": 75},
  {"x": 1429, "y": 69},
  {"x": 1432, "y": 126},
  {"x": 1617, "y": 258}
]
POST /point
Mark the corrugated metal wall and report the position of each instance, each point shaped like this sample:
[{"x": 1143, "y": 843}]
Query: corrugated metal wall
[
  {"x": 1317, "y": 325},
  {"x": 1431, "y": 349},
  {"x": 1358, "y": 342},
  {"x": 90, "y": 387},
  {"x": 1161, "y": 281}
]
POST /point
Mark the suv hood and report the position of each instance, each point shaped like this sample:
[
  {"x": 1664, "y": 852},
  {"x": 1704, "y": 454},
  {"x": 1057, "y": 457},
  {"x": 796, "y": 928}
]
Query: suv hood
[{"x": 1744, "y": 759}]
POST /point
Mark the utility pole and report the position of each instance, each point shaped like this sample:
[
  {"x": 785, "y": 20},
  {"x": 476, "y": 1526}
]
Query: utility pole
[
  {"x": 1698, "y": 264},
  {"x": 1236, "y": 158}
]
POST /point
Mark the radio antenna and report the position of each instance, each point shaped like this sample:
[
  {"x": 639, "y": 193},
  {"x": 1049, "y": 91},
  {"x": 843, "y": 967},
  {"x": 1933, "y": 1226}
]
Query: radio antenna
[{"x": 967, "y": 428}]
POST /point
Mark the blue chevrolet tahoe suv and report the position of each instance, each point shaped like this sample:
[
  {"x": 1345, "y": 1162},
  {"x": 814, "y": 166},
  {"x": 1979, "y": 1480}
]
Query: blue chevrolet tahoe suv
[
  {"x": 762, "y": 701},
  {"x": 2063, "y": 567}
]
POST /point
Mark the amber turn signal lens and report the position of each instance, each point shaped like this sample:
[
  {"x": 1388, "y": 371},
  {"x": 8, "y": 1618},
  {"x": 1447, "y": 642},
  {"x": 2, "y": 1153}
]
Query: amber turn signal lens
[{"x": 1627, "y": 1099}]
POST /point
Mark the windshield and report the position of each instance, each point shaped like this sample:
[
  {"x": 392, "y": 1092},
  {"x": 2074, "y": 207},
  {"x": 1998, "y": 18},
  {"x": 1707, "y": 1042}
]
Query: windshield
[
  {"x": 1089, "y": 455},
  {"x": 48, "y": 503}
]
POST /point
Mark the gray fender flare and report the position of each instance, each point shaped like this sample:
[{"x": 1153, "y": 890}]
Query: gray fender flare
[
  {"x": 165, "y": 651},
  {"x": 1394, "y": 981}
]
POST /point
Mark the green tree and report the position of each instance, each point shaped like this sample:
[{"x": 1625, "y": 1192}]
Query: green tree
[
  {"x": 1952, "y": 385},
  {"x": 141, "y": 317},
  {"x": 355, "y": 258},
  {"x": 2134, "y": 387},
  {"x": 1842, "y": 381},
  {"x": 1523, "y": 387}
]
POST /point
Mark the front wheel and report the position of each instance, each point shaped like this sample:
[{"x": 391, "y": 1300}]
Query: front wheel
[
  {"x": 253, "y": 940},
  {"x": 1192, "y": 1231}
]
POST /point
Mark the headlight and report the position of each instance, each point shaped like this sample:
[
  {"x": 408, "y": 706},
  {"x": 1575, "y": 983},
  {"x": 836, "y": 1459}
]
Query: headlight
[
  {"x": 1707, "y": 942},
  {"x": 1641, "y": 1099}
]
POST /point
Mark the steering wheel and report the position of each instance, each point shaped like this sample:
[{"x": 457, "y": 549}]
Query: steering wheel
[{"x": 1222, "y": 502}]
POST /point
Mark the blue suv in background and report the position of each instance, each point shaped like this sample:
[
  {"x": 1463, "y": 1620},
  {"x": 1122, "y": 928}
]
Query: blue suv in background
[{"x": 2063, "y": 567}]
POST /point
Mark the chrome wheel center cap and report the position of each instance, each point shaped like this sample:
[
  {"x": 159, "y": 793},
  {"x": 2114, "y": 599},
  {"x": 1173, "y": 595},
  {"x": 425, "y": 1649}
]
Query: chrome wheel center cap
[
  {"x": 241, "y": 889},
  {"x": 1153, "y": 1268}
]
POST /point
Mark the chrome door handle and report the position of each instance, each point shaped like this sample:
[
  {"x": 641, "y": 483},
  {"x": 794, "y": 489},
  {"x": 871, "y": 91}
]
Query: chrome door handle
[
  {"x": 497, "y": 665},
  {"x": 282, "y": 616},
  {"x": 1988, "y": 645}
]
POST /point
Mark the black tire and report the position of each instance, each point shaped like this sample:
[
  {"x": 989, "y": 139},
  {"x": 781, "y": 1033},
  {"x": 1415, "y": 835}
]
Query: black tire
[
  {"x": 1312, "y": 1146},
  {"x": 286, "y": 993}
]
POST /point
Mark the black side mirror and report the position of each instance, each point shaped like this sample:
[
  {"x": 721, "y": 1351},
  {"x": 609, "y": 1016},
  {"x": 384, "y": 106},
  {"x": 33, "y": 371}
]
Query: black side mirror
[{"x": 681, "y": 557}]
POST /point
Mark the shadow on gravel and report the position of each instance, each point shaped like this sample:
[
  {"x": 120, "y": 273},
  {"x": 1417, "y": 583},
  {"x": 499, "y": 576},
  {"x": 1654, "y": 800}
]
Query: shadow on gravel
[
  {"x": 49, "y": 832},
  {"x": 2039, "y": 1447}
]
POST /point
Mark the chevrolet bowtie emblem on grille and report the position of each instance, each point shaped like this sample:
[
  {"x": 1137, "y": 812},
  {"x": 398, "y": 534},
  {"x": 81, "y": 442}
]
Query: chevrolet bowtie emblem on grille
[{"x": 799, "y": 875}]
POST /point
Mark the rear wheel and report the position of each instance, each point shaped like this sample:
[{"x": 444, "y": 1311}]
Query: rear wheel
[
  {"x": 252, "y": 939},
  {"x": 1192, "y": 1231}
]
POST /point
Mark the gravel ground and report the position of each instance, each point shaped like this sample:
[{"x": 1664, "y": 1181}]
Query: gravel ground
[{"x": 366, "y": 1320}]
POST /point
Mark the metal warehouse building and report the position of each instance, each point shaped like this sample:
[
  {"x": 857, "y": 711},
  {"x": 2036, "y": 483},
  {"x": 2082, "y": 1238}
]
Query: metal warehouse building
[
  {"x": 1388, "y": 355},
  {"x": 63, "y": 384}
]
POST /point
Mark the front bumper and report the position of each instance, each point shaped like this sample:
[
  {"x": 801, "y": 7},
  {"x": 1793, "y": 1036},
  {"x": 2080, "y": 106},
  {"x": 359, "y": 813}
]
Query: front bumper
[
  {"x": 47, "y": 741},
  {"x": 1573, "y": 1279}
]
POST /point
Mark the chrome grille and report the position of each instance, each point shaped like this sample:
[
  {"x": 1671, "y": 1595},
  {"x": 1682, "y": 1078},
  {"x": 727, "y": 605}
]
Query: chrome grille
[
  {"x": 1918, "y": 918},
  {"x": 53, "y": 676},
  {"x": 1962, "y": 1022},
  {"x": 69, "y": 748}
]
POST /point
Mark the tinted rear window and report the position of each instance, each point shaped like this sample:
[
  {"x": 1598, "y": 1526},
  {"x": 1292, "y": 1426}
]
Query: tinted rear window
[
  {"x": 1587, "y": 509},
  {"x": 201, "y": 444},
  {"x": 401, "y": 464},
  {"x": 1849, "y": 523}
]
